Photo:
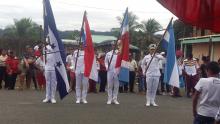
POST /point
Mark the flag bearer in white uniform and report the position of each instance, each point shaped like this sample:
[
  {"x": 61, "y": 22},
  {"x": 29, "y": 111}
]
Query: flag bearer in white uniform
[
  {"x": 81, "y": 93},
  {"x": 112, "y": 77},
  {"x": 50, "y": 75},
  {"x": 152, "y": 74}
]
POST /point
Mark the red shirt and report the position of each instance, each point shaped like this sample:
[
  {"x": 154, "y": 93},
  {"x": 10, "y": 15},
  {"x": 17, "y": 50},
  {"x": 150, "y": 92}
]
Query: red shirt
[
  {"x": 37, "y": 53},
  {"x": 12, "y": 65}
]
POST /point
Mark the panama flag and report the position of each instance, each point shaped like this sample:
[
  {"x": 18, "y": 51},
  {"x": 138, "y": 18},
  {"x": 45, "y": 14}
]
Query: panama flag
[
  {"x": 122, "y": 62},
  {"x": 89, "y": 58},
  {"x": 171, "y": 74},
  {"x": 50, "y": 31}
]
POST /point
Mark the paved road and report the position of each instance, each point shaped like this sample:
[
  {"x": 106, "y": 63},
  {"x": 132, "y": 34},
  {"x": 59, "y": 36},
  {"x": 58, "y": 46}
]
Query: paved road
[{"x": 25, "y": 107}]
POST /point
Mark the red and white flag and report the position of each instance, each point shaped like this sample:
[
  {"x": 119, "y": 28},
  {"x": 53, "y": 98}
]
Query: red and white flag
[
  {"x": 89, "y": 57},
  {"x": 122, "y": 62}
]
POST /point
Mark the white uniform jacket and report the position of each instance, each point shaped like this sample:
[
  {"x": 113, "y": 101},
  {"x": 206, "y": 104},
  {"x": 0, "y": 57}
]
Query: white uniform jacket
[
  {"x": 80, "y": 61},
  {"x": 113, "y": 62},
  {"x": 50, "y": 59},
  {"x": 154, "y": 68}
]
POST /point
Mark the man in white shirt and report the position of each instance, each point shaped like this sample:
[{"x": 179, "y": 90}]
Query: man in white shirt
[
  {"x": 50, "y": 75},
  {"x": 112, "y": 76},
  {"x": 81, "y": 94},
  {"x": 70, "y": 65},
  {"x": 206, "y": 100},
  {"x": 152, "y": 74},
  {"x": 132, "y": 72}
]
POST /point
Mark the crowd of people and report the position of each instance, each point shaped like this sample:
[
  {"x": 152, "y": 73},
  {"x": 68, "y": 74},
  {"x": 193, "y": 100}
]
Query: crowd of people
[
  {"x": 201, "y": 80},
  {"x": 28, "y": 68}
]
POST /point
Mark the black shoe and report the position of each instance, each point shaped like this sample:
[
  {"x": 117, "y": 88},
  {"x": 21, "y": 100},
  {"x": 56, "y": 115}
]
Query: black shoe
[{"x": 0, "y": 87}]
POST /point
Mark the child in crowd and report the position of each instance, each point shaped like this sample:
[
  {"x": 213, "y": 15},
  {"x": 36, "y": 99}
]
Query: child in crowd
[{"x": 206, "y": 99}]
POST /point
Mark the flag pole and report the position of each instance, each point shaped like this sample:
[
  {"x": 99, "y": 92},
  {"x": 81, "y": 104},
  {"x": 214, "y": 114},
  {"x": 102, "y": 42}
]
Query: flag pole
[
  {"x": 158, "y": 46},
  {"x": 116, "y": 42},
  {"x": 80, "y": 39},
  {"x": 44, "y": 38}
]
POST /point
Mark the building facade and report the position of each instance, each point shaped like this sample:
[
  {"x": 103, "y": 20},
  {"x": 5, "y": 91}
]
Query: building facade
[{"x": 203, "y": 43}]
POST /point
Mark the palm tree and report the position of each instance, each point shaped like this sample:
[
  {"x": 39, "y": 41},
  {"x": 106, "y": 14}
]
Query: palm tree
[
  {"x": 22, "y": 32},
  {"x": 134, "y": 27},
  {"x": 149, "y": 28},
  {"x": 132, "y": 21}
]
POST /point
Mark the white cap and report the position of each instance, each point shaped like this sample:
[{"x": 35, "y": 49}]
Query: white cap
[
  {"x": 162, "y": 53},
  {"x": 36, "y": 47},
  {"x": 152, "y": 46}
]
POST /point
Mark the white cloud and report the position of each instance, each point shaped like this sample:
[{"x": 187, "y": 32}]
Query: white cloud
[{"x": 68, "y": 13}]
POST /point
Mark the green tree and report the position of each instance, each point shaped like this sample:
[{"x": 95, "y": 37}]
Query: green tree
[
  {"x": 181, "y": 30},
  {"x": 149, "y": 28},
  {"x": 22, "y": 32},
  {"x": 134, "y": 27}
]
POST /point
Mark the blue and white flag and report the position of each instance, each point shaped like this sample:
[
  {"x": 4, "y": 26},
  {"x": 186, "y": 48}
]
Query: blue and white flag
[
  {"x": 171, "y": 74},
  {"x": 50, "y": 31}
]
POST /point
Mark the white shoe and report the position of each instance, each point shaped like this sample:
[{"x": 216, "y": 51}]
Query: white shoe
[
  {"x": 154, "y": 104},
  {"x": 116, "y": 102},
  {"x": 53, "y": 101},
  {"x": 84, "y": 101},
  {"x": 77, "y": 101},
  {"x": 46, "y": 100},
  {"x": 109, "y": 102},
  {"x": 147, "y": 104}
]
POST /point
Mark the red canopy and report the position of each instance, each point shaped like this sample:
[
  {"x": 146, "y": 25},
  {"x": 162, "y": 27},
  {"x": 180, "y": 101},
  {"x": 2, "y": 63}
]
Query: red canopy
[{"x": 201, "y": 13}]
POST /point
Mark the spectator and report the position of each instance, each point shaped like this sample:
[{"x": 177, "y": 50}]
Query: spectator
[
  {"x": 205, "y": 60},
  {"x": 162, "y": 68},
  {"x": 3, "y": 58},
  {"x": 206, "y": 98},
  {"x": 22, "y": 74},
  {"x": 70, "y": 59},
  {"x": 40, "y": 70},
  {"x": 37, "y": 51},
  {"x": 176, "y": 90},
  {"x": 141, "y": 79},
  {"x": 29, "y": 60},
  {"x": 132, "y": 72},
  {"x": 12, "y": 70},
  {"x": 190, "y": 68},
  {"x": 102, "y": 72}
]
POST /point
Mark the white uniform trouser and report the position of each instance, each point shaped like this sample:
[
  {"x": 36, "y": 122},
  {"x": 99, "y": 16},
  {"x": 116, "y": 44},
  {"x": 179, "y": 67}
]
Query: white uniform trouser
[
  {"x": 81, "y": 80},
  {"x": 113, "y": 86},
  {"x": 51, "y": 84},
  {"x": 152, "y": 85}
]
